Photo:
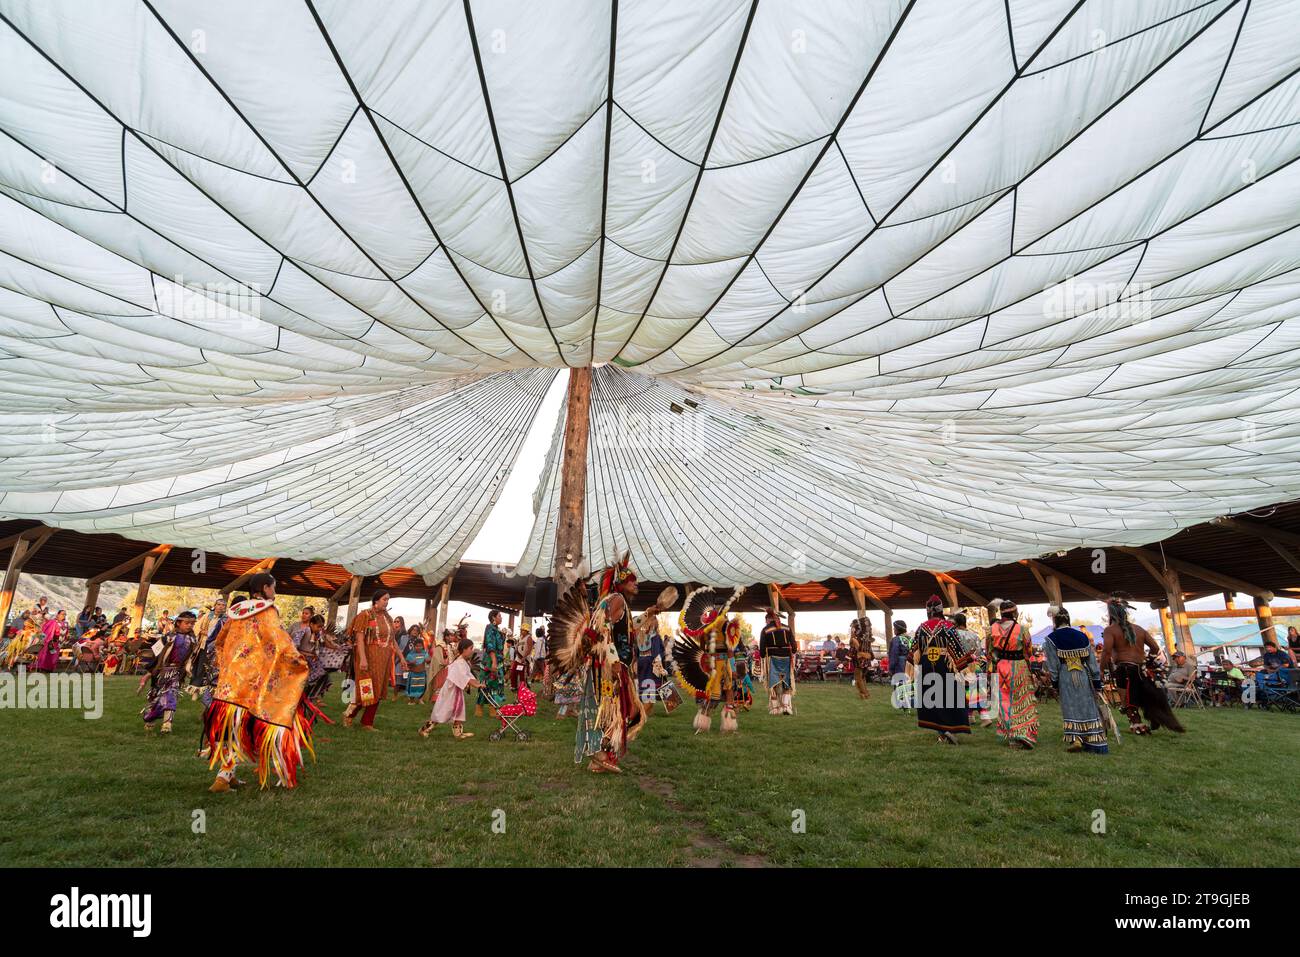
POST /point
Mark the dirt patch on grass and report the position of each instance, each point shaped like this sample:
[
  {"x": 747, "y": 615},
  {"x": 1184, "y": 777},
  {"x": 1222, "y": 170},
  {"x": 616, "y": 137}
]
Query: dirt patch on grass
[{"x": 706, "y": 850}]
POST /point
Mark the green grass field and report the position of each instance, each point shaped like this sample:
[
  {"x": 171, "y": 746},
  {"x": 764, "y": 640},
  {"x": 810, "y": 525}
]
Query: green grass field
[{"x": 872, "y": 789}]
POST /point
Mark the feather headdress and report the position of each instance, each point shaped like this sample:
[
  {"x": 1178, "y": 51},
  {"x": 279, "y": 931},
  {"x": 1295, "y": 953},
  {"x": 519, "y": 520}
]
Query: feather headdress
[{"x": 615, "y": 575}]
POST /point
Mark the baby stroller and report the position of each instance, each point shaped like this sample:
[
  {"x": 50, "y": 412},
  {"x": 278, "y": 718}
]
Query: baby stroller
[{"x": 509, "y": 713}]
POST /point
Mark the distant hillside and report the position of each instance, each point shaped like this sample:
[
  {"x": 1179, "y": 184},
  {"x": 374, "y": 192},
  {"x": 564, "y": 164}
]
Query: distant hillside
[{"x": 68, "y": 593}]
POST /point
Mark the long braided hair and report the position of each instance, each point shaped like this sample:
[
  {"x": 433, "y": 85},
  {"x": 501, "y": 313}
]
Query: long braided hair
[{"x": 1117, "y": 609}]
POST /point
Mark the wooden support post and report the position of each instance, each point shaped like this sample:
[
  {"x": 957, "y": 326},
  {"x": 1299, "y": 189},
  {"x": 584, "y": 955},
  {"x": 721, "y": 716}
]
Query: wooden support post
[
  {"x": 439, "y": 622},
  {"x": 1178, "y": 612},
  {"x": 265, "y": 565},
  {"x": 859, "y": 600},
  {"x": 569, "y": 524},
  {"x": 526, "y": 621},
  {"x": 1038, "y": 568},
  {"x": 25, "y": 545},
  {"x": 332, "y": 606},
  {"x": 1048, "y": 581},
  {"x": 951, "y": 586},
  {"x": 152, "y": 562},
  {"x": 778, "y": 601},
  {"x": 872, "y": 597},
  {"x": 1180, "y": 634},
  {"x": 92, "y": 595},
  {"x": 1230, "y": 600},
  {"x": 1264, "y": 616},
  {"x": 947, "y": 590},
  {"x": 430, "y": 619},
  {"x": 1218, "y": 578},
  {"x": 354, "y": 596},
  {"x": 1167, "y": 628},
  {"x": 444, "y": 600}
]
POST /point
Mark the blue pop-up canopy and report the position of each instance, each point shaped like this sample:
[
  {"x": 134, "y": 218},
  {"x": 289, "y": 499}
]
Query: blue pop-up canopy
[{"x": 1243, "y": 635}]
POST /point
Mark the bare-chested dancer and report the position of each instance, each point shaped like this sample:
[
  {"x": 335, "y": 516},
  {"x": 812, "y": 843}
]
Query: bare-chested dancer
[{"x": 1124, "y": 651}]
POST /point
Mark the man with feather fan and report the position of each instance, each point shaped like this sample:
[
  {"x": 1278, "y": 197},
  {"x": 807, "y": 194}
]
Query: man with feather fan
[{"x": 595, "y": 644}]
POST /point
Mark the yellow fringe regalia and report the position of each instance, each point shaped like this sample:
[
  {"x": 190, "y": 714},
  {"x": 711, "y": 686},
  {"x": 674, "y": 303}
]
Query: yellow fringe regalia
[{"x": 258, "y": 714}]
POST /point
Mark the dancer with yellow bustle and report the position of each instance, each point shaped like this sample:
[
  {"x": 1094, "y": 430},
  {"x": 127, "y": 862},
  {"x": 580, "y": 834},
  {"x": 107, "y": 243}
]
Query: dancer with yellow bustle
[{"x": 707, "y": 641}]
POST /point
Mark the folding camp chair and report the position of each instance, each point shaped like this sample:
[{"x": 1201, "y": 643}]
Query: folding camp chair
[
  {"x": 1185, "y": 696},
  {"x": 1279, "y": 690}
]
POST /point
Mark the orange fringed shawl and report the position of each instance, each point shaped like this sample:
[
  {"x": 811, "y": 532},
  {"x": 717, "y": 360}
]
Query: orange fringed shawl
[{"x": 256, "y": 714}]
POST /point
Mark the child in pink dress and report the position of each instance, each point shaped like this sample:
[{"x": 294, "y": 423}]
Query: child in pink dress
[{"x": 450, "y": 704}]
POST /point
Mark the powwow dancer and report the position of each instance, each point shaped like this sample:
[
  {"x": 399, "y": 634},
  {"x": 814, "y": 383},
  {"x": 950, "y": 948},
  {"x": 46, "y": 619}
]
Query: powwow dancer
[
  {"x": 201, "y": 670},
  {"x": 653, "y": 662},
  {"x": 900, "y": 649},
  {"x": 1017, "y": 710},
  {"x": 417, "y": 665},
  {"x": 744, "y": 694},
  {"x": 313, "y": 645},
  {"x": 566, "y": 691},
  {"x": 860, "y": 649},
  {"x": 941, "y": 688},
  {"x": 450, "y": 706},
  {"x": 259, "y": 713},
  {"x": 1124, "y": 649},
  {"x": 28, "y": 634},
  {"x": 707, "y": 640},
  {"x": 977, "y": 682},
  {"x": 582, "y": 643},
  {"x": 777, "y": 649},
  {"x": 493, "y": 665},
  {"x": 167, "y": 670},
  {"x": 1072, "y": 663},
  {"x": 372, "y": 659}
]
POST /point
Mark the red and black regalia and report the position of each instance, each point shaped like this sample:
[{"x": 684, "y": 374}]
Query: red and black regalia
[{"x": 940, "y": 686}]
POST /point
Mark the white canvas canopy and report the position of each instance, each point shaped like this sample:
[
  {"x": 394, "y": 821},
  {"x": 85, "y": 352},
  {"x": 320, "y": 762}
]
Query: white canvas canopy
[{"x": 948, "y": 283}]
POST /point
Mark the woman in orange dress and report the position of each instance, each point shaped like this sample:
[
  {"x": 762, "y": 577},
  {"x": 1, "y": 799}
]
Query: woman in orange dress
[{"x": 373, "y": 649}]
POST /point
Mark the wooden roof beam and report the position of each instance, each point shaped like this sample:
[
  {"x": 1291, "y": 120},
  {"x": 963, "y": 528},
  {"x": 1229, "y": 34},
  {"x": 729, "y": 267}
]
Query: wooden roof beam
[
  {"x": 1266, "y": 533},
  {"x": 871, "y": 596},
  {"x": 1038, "y": 568},
  {"x": 265, "y": 565},
  {"x": 1150, "y": 559},
  {"x": 115, "y": 573},
  {"x": 27, "y": 535},
  {"x": 952, "y": 584}
]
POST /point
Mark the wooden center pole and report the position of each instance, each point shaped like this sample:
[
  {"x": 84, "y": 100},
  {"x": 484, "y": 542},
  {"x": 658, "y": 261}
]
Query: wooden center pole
[{"x": 573, "y": 479}]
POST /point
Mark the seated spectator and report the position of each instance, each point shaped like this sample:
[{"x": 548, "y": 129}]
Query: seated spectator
[
  {"x": 1183, "y": 673},
  {"x": 1228, "y": 679},
  {"x": 1293, "y": 644},
  {"x": 1275, "y": 660},
  {"x": 93, "y": 643}
]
